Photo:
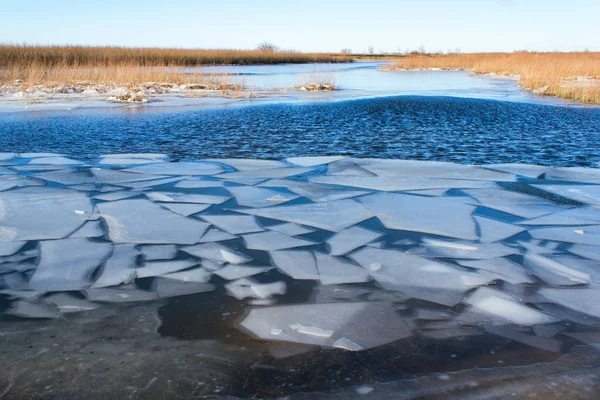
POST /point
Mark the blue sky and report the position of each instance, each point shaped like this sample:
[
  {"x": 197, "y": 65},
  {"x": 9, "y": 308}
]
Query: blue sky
[{"x": 308, "y": 25}]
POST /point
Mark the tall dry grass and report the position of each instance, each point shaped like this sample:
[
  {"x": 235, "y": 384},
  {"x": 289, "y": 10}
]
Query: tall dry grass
[
  {"x": 50, "y": 65},
  {"x": 568, "y": 75}
]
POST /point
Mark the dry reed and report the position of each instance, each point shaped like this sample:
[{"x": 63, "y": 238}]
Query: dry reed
[{"x": 573, "y": 76}]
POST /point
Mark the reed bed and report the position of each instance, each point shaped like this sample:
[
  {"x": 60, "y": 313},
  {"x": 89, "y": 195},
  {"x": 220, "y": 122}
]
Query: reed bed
[
  {"x": 573, "y": 75},
  {"x": 59, "y": 65}
]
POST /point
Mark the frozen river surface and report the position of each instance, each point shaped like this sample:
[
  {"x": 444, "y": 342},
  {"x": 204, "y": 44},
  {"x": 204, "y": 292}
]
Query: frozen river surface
[{"x": 313, "y": 277}]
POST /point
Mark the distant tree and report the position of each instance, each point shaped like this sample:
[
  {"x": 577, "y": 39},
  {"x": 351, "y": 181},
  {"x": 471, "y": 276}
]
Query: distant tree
[
  {"x": 346, "y": 51},
  {"x": 371, "y": 50},
  {"x": 267, "y": 46},
  {"x": 421, "y": 49}
]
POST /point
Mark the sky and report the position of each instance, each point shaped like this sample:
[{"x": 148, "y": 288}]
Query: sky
[{"x": 308, "y": 25}]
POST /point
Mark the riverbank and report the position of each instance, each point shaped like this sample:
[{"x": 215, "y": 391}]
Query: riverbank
[{"x": 574, "y": 76}]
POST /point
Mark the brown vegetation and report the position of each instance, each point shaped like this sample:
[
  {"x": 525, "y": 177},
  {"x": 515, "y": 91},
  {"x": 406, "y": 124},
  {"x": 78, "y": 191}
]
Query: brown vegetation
[{"x": 568, "y": 75}]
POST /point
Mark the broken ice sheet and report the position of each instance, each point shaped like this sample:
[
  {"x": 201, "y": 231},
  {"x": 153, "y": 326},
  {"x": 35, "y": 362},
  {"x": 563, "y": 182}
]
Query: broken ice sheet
[
  {"x": 437, "y": 216},
  {"x": 216, "y": 235},
  {"x": 68, "y": 264},
  {"x": 217, "y": 252},
  {"x": 297, "y": 264},
  {"x": 116, "y": 195},
  {"x": 122, "y": 294},
  {"x": 181, "y": 197},
  {"x": 572, "y": 216},
  {"x": 582, "y": 250},
  {"x": 589, "y": 235},
  {"x": 313, "y": 161},
  {"x": 554, "y": 272},
  {"x": 332, "y": 216},
  {"x": 267, "y": 173},
  {"x": 333, "y": 270},
  {"x": 530, "y": 171},
  {"x": 504, "y": 308},
  {"x": 249, "y": 288},
  {"x": 519, "y": 204},
  {"x": 198, "y": 275},
  {"x": 234, "y": 224},
  {"x": 119, "y": 268},
  {"x": 90, "y": 229},
  {"x": 67, "y": 177},
  {"x": 159, "y": 252},
  {"x": 290, "y": 229},
  {"x": 68, "y": 303},
  {"x": 270, "y": 241},
  {"x": 166, "y": 287},
  {"x": 250, "y": 196},
  {"x": 587, "y": 194},
  {"x": 314, "y": 191},
  {"x": 390, "y": 183},
  {"x": 434, "y": 248},
  {"x": 493, "y": 231},
  {"x": 552, "y": 345},
  {"x": 178, "y": 168},
  {"x": 185, "y": 209},
  {"x": 233, "y": 272},
  {"x": 40, "y": 213},
  {"x": 327, "y": 324},
  {"x": 418, "y": 277},
  {"x": 157, "y": 268},
  {"x": 10, "y": 248},
  {"x": 142, "y": 221},
  {"x": 350, "y": 239},
  {"x": 502, "y": 268},
  {"x": 56, "y": 160}
]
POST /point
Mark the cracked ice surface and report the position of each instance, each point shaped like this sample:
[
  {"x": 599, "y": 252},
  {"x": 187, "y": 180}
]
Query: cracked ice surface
[{"x": 309, "y": 245}]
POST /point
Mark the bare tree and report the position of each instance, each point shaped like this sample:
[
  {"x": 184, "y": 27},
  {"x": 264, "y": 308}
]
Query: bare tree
[
  {"x": 421, "y": 49},
  {"x": 371, "y": 49},
  {"x": 267, "y": 47},
  {"x": 346, "y": 51}
]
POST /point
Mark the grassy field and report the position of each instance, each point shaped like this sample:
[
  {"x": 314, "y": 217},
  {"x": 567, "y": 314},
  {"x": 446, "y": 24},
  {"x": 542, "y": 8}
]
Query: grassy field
[
  {"x": 568, "y": 75},
  {"x": 50, "y": 65}
]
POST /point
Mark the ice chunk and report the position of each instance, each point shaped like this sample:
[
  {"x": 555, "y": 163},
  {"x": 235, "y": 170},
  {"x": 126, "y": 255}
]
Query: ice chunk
[
  {"x": 242, "y": 164},
  {"x": 527, "y": 170},
  {"x": 434, "y": 248},
  {"x": 250, "y": 196},
  {"x": 423, "y": 214},
  {"x": 493, "y": 231},
  {"x": 553, "y": 272},
  {"x": 120, "y": 295},
  {"x": 185, "y": 209},
  {"x": 587, "y": 194},
  {"x": 147, "y": 184},
  {"x": 271, "y": 241},
  {"x": 583, "y": 235},
  {"x": 313, "y": 191},
  {"x": 26, "y": 309},
  {"x": 157, "y": 268},
  {"x": 416, "y": 276},
  {"x": 159, "y": 252},
  {"x": 197, "y": 184},
  {"x": 351, "y": 239},
  {"x": 41, "y": 213},
  {"x": 326, "y": 324},
  {"x": 313, "y": 161},
  {"x": 57, "y": 160},
  {"x": 119, "y": 268},
  {"x": 180, "y": 197},
  {"x": 116, "y": 195},
  {"x": 267, "y": 173},
  {"x": 583, "y": 300},
  {"x": 68, "y": 264},
  {"x": 501, "y": 305},
  {"x": 216, "y": 235},
  {"x": 519, "y": 204},
  {"x": 502, "y": 268},
  {"x": 178, "y": 168},
  {"x": 333, "y": 270},
  {"x": 575, "y": 174},
  {"x": 172, "y": 288},
  {"x": 198, "y": 275},
  {"x": 90, "y": 229},
  {"x": 10, "y": 248},
  {"x": 582, "y": 250},
  {"x": 217, "y": 252},
  {"x": 347, "y": 168},
  {"x": 388, "y": 183},
  {"x": 141, "y": 221},
  {"x": 245, "y": 288},
  {"x": 233, "y": 272},
  {"x": 332, "y": 216},
  {"x": 68, "y": 303},
  {"x": 234, "y": 224},
  {"x": 297, "y": 264},
  {"x": 290, "y": 229},
  {"x": 67, "y": 177},
  {"x": 572, "y": 216}
]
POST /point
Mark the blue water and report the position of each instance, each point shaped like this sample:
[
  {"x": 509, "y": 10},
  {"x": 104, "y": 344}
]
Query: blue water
[{"x": 409, "y": 127}]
